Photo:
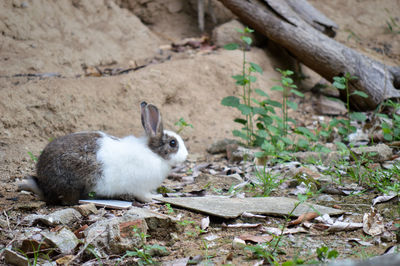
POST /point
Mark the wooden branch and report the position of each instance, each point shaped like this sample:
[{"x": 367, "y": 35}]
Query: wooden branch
[{"x": 279, "y": 22}]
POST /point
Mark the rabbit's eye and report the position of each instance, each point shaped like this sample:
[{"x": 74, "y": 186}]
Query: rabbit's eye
[{"x": 172, "y": 143}]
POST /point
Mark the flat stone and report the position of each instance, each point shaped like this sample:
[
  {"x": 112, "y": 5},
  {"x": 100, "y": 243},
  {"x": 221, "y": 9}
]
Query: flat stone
[
  {"x": 115, "y": 235},
  {"x": 386, "y": 260},
  {"x": 12, "y": 257},
  {"x": 64, "y": 240},
  {"x": 219, "y": 146},
  {"x": 158, "y": 225},
  {"x": 65, "y": 216},
  {"x": 377, "y": 153},
  {"x": 234, "y": 207},
  {"x": 326, "y": 158},
  {"x": 326, "y": 106},
  {"x": 86, "y": 209}
]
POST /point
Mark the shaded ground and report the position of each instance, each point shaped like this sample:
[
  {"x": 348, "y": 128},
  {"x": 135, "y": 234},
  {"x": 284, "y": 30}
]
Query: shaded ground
[{"x": 71, "y": 39}]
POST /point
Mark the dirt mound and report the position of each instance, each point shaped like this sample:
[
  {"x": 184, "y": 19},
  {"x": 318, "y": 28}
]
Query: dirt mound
[{"x": 60, "y": 36}]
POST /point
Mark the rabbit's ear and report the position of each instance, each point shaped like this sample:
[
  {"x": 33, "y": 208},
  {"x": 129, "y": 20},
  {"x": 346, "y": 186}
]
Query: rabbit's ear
[
  {"x": 151, "y": 120},
  {"x": 142, "y": 110}
]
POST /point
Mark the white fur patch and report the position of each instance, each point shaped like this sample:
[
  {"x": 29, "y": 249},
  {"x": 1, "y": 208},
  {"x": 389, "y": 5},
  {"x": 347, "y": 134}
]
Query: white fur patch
[
  {"x": 130, "y": 167},
  {"x": 181, "y": 155}
]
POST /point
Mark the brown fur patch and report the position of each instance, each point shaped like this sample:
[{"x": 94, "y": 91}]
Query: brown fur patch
[{"x": 67, "y": 168}]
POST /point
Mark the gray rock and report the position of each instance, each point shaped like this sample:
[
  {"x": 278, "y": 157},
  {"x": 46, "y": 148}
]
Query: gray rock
[
  {"x": 325, "y": 197},
  {"x": 384, "y": 260},
  {"x": 65, "y": 217},
  {"x": 86, "y": 209},
  {"x": 326, "y": 106},
  {"x": 234, "y": 207},
  {"x": 307, "y": 156},
  {"x": 359, "y": 138},
  {"x": 64, "y": 240},
  {"x": 115, "y": 235},
  {"x": 220, "y": 146},
  {"x": 12, "y": 257},
  {"x": 377, "y": 153},
  {"x": 237, "y": 153}
]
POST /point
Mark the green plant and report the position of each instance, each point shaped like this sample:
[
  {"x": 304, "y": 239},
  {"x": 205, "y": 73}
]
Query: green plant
[
  {"x": 392, "y": 25},
  {"x": 268, "y": 181},
  {"x": 36, "y": 252},
  {"x": 324, "y": 253},
  {"x": 170, "y": 210},
  {"x": 182, "y": 124},
  {"x": 269, "y": 251},
  {"x": 245, "y": 80},
  {"x": 287, "y": 87},
  {"x": 144, "y": 254},
  {"x": 391, "y": 125},
  {"x": 342, "y": 83},
  {"x": 33, "y": 157}
]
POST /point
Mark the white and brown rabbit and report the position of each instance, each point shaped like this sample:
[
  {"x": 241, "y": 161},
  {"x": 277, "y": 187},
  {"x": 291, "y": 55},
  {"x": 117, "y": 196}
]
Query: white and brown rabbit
[{"x": 76, "y": 165}]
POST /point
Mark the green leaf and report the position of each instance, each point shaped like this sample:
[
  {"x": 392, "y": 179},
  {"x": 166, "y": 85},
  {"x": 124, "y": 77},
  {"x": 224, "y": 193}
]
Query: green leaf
[
  {"x": 358, "y": 116},
  {"x": 341, "y": 146},
  {"x": 303, "y": 143},
  {"x": 240, "y": 121},
  {"x": 240, "y": 134},
  {"x": 325, "y": 134},
  {"x": 248, "y": 30},
  {"x": 287, "y": 81},
  {"x": 252, "y": 79},
  {"x": 267, "y": 120},
  {"x": 231, "y": 46},
  {"x": 387, "y": 137},
  {"x": 339, "y": 85},
  {"x": 231, "y": 101},
  {"x": 240, "y": 79},
  {"x": 247, "y": 40},
  {"x": 277, "y": 88},
  {"x": 245, "y": 109},
  {"x": 268, "y": 147},
  {"x": 260, "y": 111},
  {"x": 256, "y": 67},
  {"x": 342, "y": 131},
  {"x": 292, "y": 105},
  {"x": 306, "y": 132},
  {"x": 287, "y": 140},
  {"x": 274, "y": 103},
  {"x": 360, "y": 93},
  {"x": 262, "y": 134},
  {"x": 261, "y": 93},
  {"x": 333, "y": 254},
  {"x": 297, "y": 92},
  {"x": 259, "y": 154}
]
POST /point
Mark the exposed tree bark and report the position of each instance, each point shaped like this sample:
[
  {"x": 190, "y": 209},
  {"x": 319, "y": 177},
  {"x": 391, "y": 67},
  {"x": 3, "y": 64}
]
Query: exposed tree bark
[{"x": 279, "y": 22}]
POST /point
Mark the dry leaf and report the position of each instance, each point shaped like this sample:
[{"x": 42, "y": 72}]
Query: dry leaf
[
  {"x": 205, "y": 222},
  {"x": 359, "y": 241},
  {"x": 373, "y": 223},
  {"x": 381, "y": 199},
  {"x": 241, "y": 225},
  {"x": 251, "y": 215},
  {"x": 256, "y": 239},
  {"x": 66, "y": 260},
  {"x": 344, "y": 226},
  {"x": 277, "y": 231},
  {"x": 304, "y": 217}
]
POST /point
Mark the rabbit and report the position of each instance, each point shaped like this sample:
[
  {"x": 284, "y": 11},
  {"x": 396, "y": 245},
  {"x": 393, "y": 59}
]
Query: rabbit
[{"x": 77, "y": 165}]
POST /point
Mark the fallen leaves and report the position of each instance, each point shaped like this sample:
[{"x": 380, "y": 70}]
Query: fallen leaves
[{"x": 304, "y": 218}]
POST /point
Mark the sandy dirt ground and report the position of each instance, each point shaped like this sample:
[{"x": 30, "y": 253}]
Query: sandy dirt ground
[{"x": 46, "y": 47}]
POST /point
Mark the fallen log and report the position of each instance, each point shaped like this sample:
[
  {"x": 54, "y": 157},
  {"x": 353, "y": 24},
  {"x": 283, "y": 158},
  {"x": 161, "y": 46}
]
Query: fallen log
[{"x": 278, "y": 21}]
